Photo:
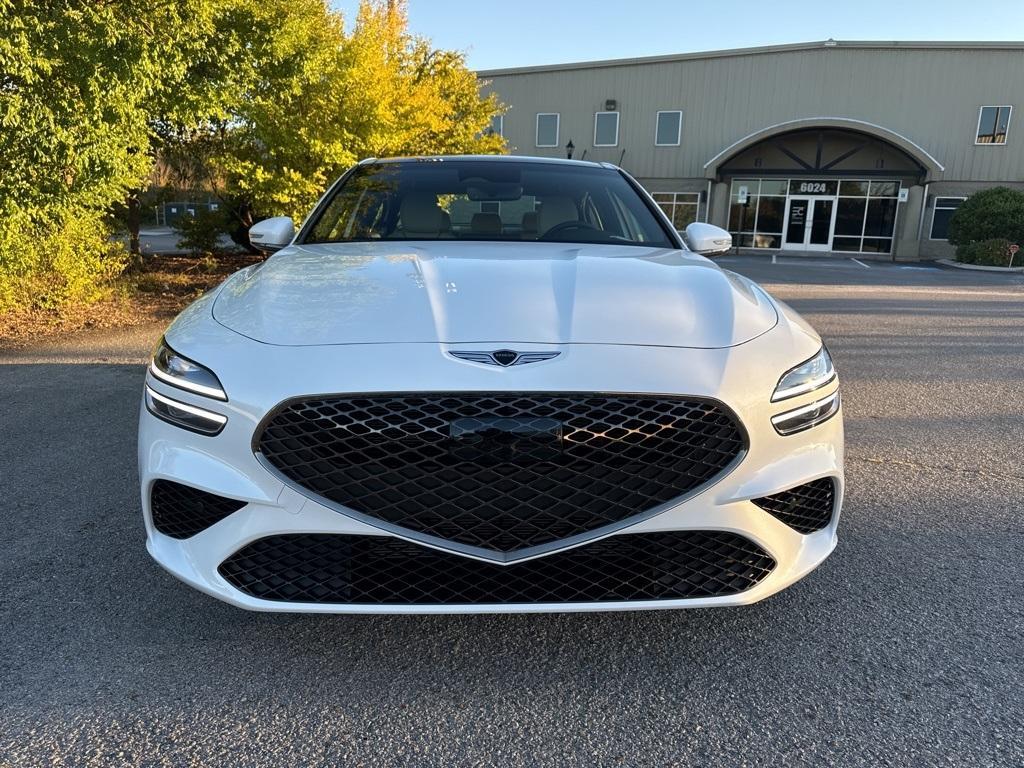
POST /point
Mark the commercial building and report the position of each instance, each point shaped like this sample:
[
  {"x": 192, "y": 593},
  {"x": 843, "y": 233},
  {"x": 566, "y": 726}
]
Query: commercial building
[{"x": 853, "y": 147}]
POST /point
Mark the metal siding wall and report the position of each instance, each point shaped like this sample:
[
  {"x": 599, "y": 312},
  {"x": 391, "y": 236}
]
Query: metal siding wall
[{"x": 930, "y": 96}]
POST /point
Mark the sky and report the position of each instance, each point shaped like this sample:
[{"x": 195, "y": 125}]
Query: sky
[{"x": 526, "y": 32}]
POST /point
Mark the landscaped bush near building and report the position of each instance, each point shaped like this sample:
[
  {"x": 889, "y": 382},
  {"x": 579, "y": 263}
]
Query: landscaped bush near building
[
  {"x": 990, "y": 253},
  {"x": 985, "y": 225}
]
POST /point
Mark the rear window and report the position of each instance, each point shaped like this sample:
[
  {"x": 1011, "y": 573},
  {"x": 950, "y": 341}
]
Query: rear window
[{"x": 486, "y": 200}]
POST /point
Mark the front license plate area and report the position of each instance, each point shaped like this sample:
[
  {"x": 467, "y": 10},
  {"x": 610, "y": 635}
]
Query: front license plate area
[{"x": 501, "y": 440}]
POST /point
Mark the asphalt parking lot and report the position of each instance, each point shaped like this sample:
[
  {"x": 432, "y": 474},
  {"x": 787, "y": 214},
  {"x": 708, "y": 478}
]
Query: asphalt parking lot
[
  {"x": 154, "y": 239},
  {"x": 905, "y": 648}
]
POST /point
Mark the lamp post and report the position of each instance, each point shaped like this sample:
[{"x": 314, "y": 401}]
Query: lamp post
[{"x": 569, "y": 149}]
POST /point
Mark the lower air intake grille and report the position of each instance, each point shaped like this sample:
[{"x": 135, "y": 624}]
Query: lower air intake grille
[
  {"x": 806, "y": 508},
  {"x": 502, "y": 471},
  {"x": 180, "y": 511},
  {"x": 380, "y": 570}
]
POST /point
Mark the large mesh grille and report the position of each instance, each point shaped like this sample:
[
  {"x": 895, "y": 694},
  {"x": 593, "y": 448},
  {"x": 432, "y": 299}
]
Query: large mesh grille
[
  {"x": 504, "y": 471},
  {"x": 381, "y": 570}
]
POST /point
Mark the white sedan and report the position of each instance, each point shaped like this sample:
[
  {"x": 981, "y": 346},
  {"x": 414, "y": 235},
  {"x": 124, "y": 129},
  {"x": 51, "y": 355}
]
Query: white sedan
[{"x": 489, "y": 384}]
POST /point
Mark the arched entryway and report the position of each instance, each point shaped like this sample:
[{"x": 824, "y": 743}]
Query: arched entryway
[{"x": 820, "y": 185}]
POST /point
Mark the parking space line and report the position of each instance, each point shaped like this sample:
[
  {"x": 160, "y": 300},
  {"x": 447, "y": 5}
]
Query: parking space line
[
  {"x": 858, "y": 261},
  {"x": 809, "y": 262}
]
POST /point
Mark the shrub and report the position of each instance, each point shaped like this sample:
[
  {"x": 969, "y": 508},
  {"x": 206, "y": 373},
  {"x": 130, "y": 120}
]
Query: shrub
[
  {"x": 201, "y": 233},
  {"x": 991, "y": 253},
  {"x": 48, "y": 263},
  {"x": 988, "y": 215}
]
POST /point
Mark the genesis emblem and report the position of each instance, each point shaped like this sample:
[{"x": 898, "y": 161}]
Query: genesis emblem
[{"x": 504, "y": 357}]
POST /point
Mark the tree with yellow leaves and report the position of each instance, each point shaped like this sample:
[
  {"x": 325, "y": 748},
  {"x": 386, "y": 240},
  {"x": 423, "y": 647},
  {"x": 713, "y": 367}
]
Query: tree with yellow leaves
[{"x": 314, "y": 98}]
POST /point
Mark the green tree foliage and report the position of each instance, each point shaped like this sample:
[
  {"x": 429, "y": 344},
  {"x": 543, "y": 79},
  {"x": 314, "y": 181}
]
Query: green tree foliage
[
  {"x": 74, "y": 76},
  {"x": 55, "y": 257},
  {"x": 991, "y": 214},
  {"x": 314, "y": 98},
  {"x": 286, "y": 136},
  {"x": 262, "y": 103}
]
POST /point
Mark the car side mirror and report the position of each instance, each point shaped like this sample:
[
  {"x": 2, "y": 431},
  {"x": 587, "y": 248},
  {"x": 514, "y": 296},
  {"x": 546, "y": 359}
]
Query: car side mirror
[
  {"x": 707, "y": 239},
  {"x": 273, "y": 234}
]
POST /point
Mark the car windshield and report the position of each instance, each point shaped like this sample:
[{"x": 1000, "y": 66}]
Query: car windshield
[{"x": 438, "y": 199}]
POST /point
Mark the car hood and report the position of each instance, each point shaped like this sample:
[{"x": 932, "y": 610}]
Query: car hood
[{"x": 492, "y": 292}]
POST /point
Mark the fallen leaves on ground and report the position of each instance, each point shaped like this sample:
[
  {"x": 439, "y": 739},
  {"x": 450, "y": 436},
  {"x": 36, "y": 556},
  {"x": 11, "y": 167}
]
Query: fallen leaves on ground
[{"x": 166, "y": 286}]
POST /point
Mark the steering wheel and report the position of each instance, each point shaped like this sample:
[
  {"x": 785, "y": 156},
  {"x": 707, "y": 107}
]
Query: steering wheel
[{"x": 566, "y": 226}]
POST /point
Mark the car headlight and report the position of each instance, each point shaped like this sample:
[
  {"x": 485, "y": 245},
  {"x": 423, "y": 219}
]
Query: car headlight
[
  {"x": 808, "y": 376},
  {"x": 184, "y": 415},
  {"x": 178, "y": 371},
  {"x": 808, "y": 416}
]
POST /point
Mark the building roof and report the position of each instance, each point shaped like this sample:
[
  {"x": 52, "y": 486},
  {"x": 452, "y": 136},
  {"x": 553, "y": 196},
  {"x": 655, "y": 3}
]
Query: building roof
[{"x": 1014, "y": 45}]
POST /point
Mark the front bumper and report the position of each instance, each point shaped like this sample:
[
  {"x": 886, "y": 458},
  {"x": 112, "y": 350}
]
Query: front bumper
[{"x": 226, "y": 465}]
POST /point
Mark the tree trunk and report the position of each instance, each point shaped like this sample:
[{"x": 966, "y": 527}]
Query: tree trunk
[
  {"x": 134, "y": 219},
  {"x": 245, "y": 217}
]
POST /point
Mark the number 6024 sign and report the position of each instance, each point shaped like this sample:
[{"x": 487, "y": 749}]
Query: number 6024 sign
[{"x": 797, "y": 187}]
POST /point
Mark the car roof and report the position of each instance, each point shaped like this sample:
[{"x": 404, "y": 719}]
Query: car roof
[{"x": 491, "y": 158}]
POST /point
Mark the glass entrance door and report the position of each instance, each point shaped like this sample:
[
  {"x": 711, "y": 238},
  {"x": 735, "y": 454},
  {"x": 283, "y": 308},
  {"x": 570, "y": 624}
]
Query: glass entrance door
[
  {"x": 796, "y": 223},
  {"x": 809, "y": 224},
  {"x": 819, "y": 236}
]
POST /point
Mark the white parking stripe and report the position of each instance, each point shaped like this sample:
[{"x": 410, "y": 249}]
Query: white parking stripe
[
  {"x": 811, "y": 263},
  {"x": 799, "y": 290},
  {"x": 858, "y": 261}
]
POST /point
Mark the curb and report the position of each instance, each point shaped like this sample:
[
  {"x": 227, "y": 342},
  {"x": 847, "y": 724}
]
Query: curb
[{"x": 978, "y": 267}]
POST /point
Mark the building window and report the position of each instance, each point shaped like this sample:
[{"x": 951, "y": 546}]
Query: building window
[
  {"x": 547, "y": 129},
  {"x": 668, "y": 131},
  {"x": 993, "y": 125},
  {"x": 866, "y": 216},
  {"x": 758, "y": 223},
  {"x": 944, "y": 207},
  {"x": 497, "y": 125},
  {"x": 680, "y": 207},
  {"x": 606, "y": 129}
]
